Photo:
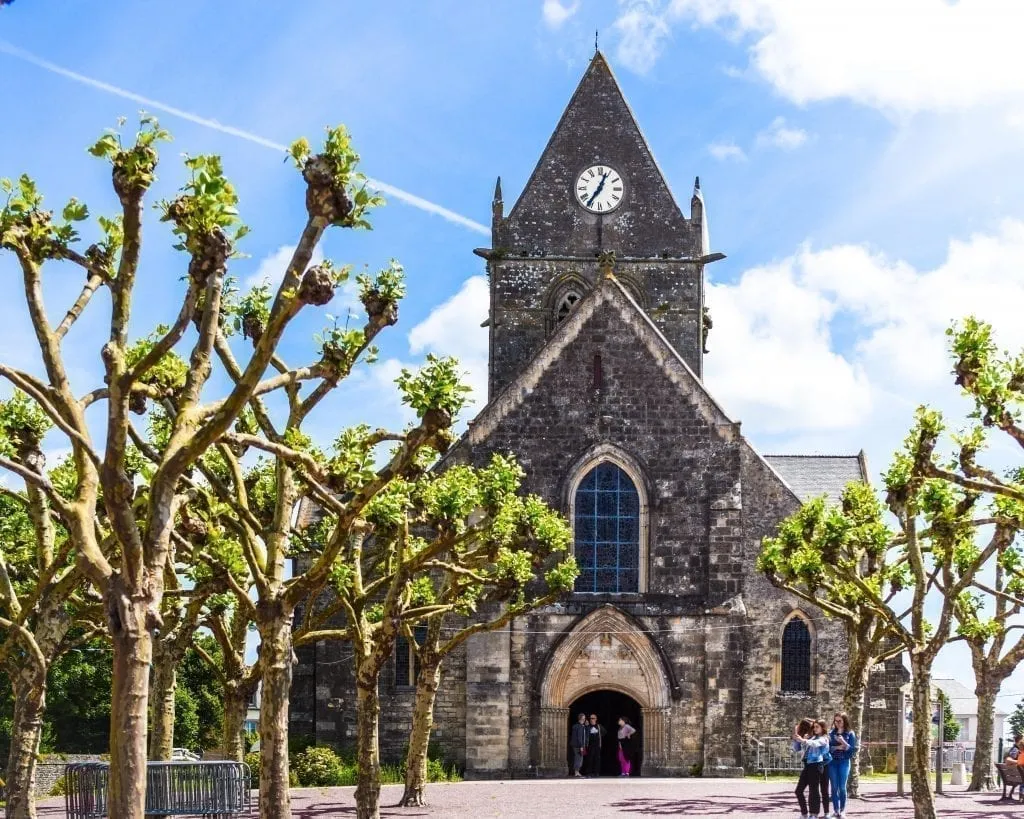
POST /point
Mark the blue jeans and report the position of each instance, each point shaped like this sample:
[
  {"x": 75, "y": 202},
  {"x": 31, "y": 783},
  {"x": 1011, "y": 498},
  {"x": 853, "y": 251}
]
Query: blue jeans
[{"x": 838, "y": 773}]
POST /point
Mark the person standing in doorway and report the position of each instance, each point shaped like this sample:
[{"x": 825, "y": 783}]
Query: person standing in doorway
[
  {"x": 595, "y": 737},
  {"x": 842, "y": 743},
  {"x": 810, "y": 740},
  {"x": 626, "y": 732},
  {"x": 578, "y": 741}
]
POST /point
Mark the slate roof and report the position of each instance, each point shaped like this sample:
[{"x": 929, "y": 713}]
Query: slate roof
[
  {"x": 962, "y": 700},
  {"x": 811, "y": 476}
]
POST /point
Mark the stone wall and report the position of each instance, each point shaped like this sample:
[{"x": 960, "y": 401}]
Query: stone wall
[
  {"x": 332, "y": 710},
  {"x": 50, "y": 769}
]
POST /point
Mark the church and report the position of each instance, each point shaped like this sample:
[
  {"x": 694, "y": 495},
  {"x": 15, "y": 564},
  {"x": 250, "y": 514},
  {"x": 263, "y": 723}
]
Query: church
[{"x": 597, "y": 334}]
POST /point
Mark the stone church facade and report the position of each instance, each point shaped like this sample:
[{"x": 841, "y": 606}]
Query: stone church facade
[{"x": 597, "y": 328}]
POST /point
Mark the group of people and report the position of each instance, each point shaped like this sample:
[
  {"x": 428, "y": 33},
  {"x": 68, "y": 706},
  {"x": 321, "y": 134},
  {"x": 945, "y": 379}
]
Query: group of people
[
  {"x": 587, "y": 740},
  {"x": 827, "y": 754}
]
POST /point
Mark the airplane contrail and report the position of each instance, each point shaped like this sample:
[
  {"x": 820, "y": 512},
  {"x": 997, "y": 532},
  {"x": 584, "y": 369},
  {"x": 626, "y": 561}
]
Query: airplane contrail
[{"x": 383, "y": 187}]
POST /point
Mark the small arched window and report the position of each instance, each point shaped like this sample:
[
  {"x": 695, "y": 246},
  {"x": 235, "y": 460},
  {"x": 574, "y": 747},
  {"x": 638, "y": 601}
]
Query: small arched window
[
  {"x": 607, "y": 531},
  {"x": 796, "y": 656},
  {"x": 565, "y": 305}
]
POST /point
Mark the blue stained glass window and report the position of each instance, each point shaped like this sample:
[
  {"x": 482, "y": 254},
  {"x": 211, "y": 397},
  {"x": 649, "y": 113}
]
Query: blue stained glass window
[{"x": 607, "y": 529}]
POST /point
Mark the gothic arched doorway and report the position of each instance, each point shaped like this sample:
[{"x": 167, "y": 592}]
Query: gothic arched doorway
[
  {"x": 609, "y": 706},
  {"x": 605, "y": 654}
]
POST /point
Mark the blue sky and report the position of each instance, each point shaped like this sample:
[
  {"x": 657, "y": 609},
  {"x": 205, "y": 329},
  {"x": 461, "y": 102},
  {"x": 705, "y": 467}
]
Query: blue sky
[{"x": 861, "y": 165}]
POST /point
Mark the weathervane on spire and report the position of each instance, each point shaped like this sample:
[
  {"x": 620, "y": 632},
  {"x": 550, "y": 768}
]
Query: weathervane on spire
[{"x": 595, "y": 41}]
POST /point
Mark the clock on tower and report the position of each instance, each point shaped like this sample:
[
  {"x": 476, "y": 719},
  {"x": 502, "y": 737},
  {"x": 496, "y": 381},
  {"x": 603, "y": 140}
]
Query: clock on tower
[{"x": 596, "y": 189}]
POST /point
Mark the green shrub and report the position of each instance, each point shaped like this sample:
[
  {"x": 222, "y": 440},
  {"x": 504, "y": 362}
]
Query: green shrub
[
  {"x": 253, "y": 761},
  {"x": 438, "y": 771},
  {"x": 317, "y": 767},
  {"x": 59, "y": 788}
]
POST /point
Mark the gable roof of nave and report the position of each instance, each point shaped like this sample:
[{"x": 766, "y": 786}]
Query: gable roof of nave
[{"x": 609, "y": 290}]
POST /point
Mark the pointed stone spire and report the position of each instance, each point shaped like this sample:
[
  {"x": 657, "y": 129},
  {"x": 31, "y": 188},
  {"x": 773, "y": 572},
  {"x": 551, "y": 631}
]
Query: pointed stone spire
[
  {"x": 497, "y": 217},
  {"x": 698, "y": 216}
]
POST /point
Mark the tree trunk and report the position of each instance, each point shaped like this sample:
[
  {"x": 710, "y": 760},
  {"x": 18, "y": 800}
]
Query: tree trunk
[
  {"x": 920, "y": 786},
  {"x": 133, "y": 653},
  {"x": 236, "y": 705},
  {"x": 276, "y": 657},
  {"x": 26, "y": 730},
  {"x": 427, "y": 682},
  {"x": 853, "y": 702},
  {"x": 367, "y": 750},
  {"x": 161, "y": 707},
  {"x": 986, "y": 691}
]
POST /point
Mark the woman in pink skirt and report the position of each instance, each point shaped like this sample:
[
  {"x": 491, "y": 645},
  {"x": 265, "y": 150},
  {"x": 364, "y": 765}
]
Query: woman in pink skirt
[{"x": 626, "y": 732}]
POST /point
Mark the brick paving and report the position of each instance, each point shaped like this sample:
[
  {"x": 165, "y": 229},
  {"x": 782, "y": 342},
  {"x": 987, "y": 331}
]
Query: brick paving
[{"x": 595, "y": 799}]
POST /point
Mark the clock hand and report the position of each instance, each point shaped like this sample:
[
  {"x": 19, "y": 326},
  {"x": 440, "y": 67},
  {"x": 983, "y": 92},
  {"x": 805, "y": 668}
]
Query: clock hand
[{"x": 597, "y": 190}]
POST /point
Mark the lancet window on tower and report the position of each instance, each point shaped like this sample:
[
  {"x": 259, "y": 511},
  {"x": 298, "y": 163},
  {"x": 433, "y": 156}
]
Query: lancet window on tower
[
  {"x": 565, "y": 305},
  {"x": 607, "y": 529}
]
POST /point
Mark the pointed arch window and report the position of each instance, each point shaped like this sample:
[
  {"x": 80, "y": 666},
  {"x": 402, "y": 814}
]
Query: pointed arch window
[
  {"x": 565, "y": 305},
  {"x": 606, "y": 523},
  {"x": 796, "y": 656}
]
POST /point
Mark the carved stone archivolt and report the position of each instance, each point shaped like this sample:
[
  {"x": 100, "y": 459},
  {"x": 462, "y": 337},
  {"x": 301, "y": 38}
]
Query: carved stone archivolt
[{"x": 606, "y": 650}]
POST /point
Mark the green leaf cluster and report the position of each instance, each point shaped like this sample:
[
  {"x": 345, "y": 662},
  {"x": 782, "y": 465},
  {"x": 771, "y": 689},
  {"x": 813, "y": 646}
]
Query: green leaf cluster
[
  {"x": 207, "y": 205},
  {"x": 342, "y": 160},
  {"x": 169, "y": 373},
  {"x": 23, "y": 424},
  {"x": 437, "y": 385},
  {"x": 25, "y": 225},
  {"x": 135, "y": 165}
]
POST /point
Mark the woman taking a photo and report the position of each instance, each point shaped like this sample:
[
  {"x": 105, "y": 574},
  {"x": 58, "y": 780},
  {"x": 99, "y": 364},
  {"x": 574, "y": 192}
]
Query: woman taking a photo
[
  {"x": 842, "y": 743},
  {"x": 810, "y": 740}
]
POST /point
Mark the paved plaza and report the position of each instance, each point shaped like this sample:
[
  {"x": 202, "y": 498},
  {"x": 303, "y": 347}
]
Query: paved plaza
[{"x": 594, "y": 799}]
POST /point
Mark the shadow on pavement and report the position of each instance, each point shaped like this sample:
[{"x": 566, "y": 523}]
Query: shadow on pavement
[{"x": 718, "y": 806}]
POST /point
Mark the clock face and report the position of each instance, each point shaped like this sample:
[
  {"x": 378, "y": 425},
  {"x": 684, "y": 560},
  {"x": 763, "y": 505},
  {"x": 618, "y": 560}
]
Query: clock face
[{"x": 599, "y": 189}]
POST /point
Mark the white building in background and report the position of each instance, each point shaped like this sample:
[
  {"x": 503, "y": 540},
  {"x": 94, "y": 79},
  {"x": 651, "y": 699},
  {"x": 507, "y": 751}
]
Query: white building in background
[{"x": 965, "y": 710}]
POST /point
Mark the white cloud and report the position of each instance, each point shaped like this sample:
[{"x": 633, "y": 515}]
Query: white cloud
[
  {"x": 779, "y": 135},
  {"x": 723, "y": 151},
  {"x": 642, "y": 33},
  {"x": 844, "y": 338},
  {"x": 453, "y": 328},
  {"x": 273, "y": 266},
  {"x": 555, "y": 13},
  {"x": 904, "y": 56}
]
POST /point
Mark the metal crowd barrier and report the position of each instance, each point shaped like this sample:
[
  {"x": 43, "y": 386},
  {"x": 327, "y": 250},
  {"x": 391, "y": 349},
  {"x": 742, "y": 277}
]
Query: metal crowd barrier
[
  {"x": 215, "y": 790},
  {"x": 776, "y": 755}
]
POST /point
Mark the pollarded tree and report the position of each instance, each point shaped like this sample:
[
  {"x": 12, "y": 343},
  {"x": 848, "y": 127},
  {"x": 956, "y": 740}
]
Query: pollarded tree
[
  {"x": 434, "y": 545},
  {"x": 955, "y": 519},
  {"x": 124, "y": 553},
  {"x": 994, "y": 382},
  {"x": 239, "y": 679},
  {"x": 474, "y": 595},
  {"x": 42, "y": 594},
  {"x": 853, "y": 534},
  {"x": 260, "y": 500},
  {"x": 183, "y": 611},
  {"x": 994, "y": 657}
]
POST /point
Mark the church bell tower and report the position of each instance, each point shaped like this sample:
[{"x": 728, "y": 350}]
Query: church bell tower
[{"x": 596, "y": 188}]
